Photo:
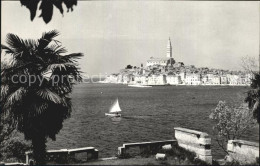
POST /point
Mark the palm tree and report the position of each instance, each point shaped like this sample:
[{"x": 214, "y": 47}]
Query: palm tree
[
  {"x": 36, "y": 86},
  {"x": 253, "y": 96}
]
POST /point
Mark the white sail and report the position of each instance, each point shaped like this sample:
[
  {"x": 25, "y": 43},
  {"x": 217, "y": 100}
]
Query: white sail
[{"x": 115, "y": 107}]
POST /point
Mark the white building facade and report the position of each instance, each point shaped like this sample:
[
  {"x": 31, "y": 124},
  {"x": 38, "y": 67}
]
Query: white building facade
[
  {"x": 157, "y": 80},
  {"x": 193, "y": 79},
  {"x": 173, "y": 79}
]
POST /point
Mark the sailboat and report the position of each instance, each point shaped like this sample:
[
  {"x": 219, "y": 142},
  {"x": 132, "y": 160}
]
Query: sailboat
[{"x": 114, "y": 110}]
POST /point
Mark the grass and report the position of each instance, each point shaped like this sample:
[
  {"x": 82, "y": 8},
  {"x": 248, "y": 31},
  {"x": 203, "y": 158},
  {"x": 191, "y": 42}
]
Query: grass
[
  {"x": 175, "y": 156},
  {"x": 139, "y": 161}
]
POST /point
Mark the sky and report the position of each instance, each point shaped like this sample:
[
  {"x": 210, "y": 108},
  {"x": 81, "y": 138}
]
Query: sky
[{"x": 113, "y": 34}]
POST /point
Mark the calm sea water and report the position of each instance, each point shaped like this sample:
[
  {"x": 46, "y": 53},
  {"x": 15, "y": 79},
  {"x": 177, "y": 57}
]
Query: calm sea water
[{"x": 149, "y": 114}]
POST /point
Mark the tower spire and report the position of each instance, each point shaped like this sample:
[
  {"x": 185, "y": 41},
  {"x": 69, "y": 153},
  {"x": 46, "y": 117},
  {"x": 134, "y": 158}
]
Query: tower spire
[{"x": 169, "y": 49}]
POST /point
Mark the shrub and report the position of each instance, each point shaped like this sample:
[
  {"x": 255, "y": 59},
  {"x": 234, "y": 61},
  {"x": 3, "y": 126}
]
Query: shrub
[
  {"x": 125, "y": 156},
  {"x": 231, "y": 122},
  {"x": 184, "y": 156},
  {"x": 14, "y": 151}
]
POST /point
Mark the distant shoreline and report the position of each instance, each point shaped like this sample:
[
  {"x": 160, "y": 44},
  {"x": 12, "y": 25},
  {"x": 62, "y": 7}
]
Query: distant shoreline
[{"x": 242, "y": 85}]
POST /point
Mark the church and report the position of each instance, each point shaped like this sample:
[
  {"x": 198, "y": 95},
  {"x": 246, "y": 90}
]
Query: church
[{"x": 167, "y": 61}]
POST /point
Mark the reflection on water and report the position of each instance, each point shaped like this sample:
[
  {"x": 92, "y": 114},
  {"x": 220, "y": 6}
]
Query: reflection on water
[
  {"x": 116, "y": 120},
  {"x": 148, "y": 114}
]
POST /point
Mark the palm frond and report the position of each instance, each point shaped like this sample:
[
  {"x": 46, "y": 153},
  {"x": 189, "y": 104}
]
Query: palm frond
[
  {"x": 72, "y": 57},
  {"x": 30, "y": 43},
  {"x": 55, "y": 66},
  {"x": 61, "y": 66},
  {"x": 60, "y": 50},
  {"x": 47, "y": 94},
  {"x": 15, "y": 98},
  {"x": 7, "y": 49},
  {"x": 50, "y": 35},
  {"x": 63, "y": 88},
  {"x": 15, "y": 42},
  {"x": 39, "y": 108},
  {"x": 15, "y": 68},
  {"x": 4, "y": 91},
  {"x": 46, "y": 38},
  {"x": 19, "y": 46},
  {"x": 71, "y": 70},
  {"x": 57, "y": 49},
  {"x": 52, "y": 53}
]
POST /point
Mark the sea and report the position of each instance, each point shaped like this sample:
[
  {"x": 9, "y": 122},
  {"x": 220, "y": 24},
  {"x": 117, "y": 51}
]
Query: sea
[{"x": 148, "y": 114}]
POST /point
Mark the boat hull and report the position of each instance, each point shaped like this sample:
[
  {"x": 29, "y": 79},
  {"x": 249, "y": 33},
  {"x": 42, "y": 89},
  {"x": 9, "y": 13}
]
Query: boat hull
[
  {"x": 113, "y": 115},
  {"x": 139, "y": 86}
]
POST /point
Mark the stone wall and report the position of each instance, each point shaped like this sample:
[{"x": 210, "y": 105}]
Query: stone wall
[
  {"x": 144, "y": 147},
  {"x": 195, "y": 141},
  {"x": 64, "y": 156},
  {"x": 244, "y": 152}
]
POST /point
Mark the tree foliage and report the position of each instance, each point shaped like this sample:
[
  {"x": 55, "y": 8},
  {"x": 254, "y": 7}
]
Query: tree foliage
[
  {"x": 6, "y": 130},
  {"x": 253, "y": 97},
  {"x": 129, "y": 67},
  {"x": 249, "y": 64},
  {"x": 46, "y": 7},
  {"x": 38, "y": 107},
  {"x": 11, "y": 149},
  {"x": 6, "y": 125},
  {"x": 231, "y": 122}
]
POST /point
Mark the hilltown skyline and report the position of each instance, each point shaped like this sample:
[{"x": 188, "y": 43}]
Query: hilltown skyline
[
  {"x": 167, "y": 71},
  {"x": 132, "y": 32},
  {"x": 168, "y": 60}
]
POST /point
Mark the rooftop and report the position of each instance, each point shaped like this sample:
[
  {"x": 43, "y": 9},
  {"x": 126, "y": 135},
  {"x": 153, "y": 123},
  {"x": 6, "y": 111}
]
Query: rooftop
[{"x": 157, "y": 59}]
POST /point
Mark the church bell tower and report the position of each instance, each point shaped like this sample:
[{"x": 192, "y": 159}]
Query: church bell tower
[{"x": 169, "y": 49}]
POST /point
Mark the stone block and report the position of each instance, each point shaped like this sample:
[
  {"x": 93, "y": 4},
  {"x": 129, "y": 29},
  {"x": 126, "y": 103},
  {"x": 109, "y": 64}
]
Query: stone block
[
  {"x": 167, "y": 147},
  {"x": 195, "y": 141},
  {"x": 160, "y": 156},
  {"x": 245, "y": 152}
]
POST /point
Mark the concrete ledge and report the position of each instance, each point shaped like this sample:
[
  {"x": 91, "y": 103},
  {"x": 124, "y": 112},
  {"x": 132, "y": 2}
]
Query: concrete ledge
[
  {"x": 195, "y": 141},
  {"x": 146, "y": 143},
  {"x": 197, "y": 133},
  {"x": 79, "y": 154},
  {"x": 243, "y": 142},
  {"x": 245, "y": 152},
  {"x": 192, "y": 136},
  {"x": 145, "y": 147},
  {"x": 199, "y": 151},
  {"x": 12, "y": 163}
]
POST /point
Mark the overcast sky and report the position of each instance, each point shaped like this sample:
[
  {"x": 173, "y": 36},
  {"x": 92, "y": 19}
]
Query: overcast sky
[{"x": 114, "y": 34}]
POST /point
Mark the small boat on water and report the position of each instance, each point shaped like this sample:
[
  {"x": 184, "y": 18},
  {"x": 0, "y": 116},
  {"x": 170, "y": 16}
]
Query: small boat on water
[
  {"x": 114, "y": 110},
  {"x": 139, "y": 86}
]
